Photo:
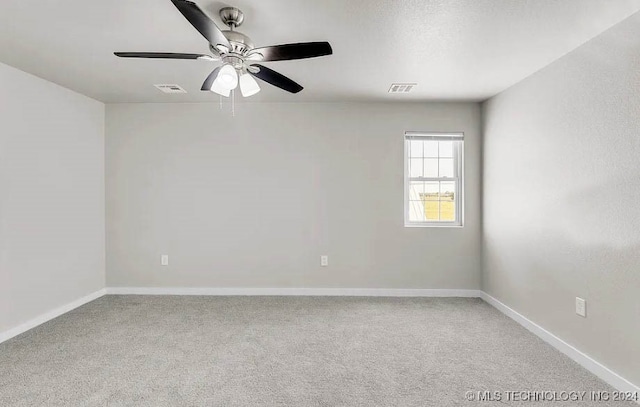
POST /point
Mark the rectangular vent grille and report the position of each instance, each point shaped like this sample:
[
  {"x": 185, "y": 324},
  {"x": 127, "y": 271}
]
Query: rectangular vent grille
[
  {"x": 170, "y": 88},
  {"x": 401, "y": 87}
]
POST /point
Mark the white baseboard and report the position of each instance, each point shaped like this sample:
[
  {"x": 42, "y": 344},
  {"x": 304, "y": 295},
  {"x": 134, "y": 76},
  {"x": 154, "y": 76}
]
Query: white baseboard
[
  {"x": 337, "y": 292},
  {"x": 41, "y": 319},
  {"x": 595, "y": 367}
]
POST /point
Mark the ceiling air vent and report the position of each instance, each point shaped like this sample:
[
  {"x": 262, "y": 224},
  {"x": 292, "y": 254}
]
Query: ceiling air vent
[
  {"x": 401, "y": 87},
  {"x": 170, "y": 88}
]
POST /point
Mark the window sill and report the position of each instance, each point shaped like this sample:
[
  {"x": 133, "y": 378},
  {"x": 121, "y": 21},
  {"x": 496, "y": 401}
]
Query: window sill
[{"x": 432, "y": 225}]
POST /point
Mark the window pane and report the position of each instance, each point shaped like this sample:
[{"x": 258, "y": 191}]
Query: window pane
[
  {"x": 447, "y": 201},
  {"x": 447, "y": 191},
  {"x": 431, "y": 209},
  {"x": 416, "y": 190},
  {"x": 416, "y": 211},
  {"x": 432, "y": 191},
  {"x": 448, "y": 210},
  {"x": 446, "y": 148},
  {"x": 446, "y": 167},
  {"x": 415, "y": 167},
  {"x": 431, "y": 167},
  {"x": 415, "y": 148},
  {"x": 431, "y": 148}
]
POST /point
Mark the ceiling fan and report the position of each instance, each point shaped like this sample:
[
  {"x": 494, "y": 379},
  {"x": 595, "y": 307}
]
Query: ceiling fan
[{"x": 237, "y": 53}]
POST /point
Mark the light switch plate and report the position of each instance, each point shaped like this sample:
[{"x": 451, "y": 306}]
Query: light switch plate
[
  {"x": 581, "y": 307},
  {"x": 164, "y": 260}
]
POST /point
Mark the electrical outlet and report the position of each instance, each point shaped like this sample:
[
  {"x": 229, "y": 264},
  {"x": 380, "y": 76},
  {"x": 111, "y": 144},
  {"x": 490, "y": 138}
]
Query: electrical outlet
[
  {"x": 324, "y": 260},
  {"x": 581, "y": 307},
  {"x": 164, "y": 260}
]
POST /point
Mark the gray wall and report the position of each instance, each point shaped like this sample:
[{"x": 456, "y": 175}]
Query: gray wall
[
  {"x": 51, "y": 197},
  {"x": 254, "y": 200},
  {"x": 562, "y": 197}
]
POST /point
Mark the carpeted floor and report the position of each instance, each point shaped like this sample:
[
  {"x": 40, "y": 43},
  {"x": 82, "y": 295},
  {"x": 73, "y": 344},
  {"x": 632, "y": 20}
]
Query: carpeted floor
[{"x": 284, "y": 351}]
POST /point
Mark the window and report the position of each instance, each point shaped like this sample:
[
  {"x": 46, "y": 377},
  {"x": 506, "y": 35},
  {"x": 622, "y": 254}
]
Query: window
[{"x": 433, "y": 179}]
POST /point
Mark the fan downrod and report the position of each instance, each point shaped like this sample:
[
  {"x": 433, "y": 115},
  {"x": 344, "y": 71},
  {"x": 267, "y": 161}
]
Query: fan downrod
[{"x": 231, "y": 16}]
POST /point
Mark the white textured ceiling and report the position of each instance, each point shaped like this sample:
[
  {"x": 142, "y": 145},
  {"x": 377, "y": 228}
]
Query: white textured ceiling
[{"x": 453, "y": 49}]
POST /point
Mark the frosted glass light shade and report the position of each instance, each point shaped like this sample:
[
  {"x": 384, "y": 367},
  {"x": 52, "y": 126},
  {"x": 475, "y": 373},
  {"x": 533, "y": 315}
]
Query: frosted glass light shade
[
  {"x": 227, "y": 78},
  {"x": 248, "y": 85},
  {"x": 217, "y": 88}
]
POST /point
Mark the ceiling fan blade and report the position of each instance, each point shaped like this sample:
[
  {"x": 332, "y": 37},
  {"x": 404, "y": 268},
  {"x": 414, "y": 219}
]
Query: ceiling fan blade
[
  {"x": 201, "y": 22},
  {"x": 208, "y": 83},
  {"x": 293, "y": 51},
  {"x": 163, "y": 55},
  {"x": 276, "y": 79}
]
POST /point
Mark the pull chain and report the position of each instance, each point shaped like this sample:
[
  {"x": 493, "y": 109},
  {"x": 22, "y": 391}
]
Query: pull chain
[
  {"x": 233, "y": 103},
  {"x": 220, "y": 102}
]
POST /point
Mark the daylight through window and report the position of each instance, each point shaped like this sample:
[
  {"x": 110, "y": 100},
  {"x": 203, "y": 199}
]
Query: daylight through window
[{"x": 433, "y": 179}]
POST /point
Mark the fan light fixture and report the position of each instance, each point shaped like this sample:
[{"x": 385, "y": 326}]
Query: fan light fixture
[{"x": 227, "y": 80}]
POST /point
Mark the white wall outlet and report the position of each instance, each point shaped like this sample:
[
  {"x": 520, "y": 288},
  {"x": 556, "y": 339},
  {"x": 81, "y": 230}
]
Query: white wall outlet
[
  {"x": 164, "y": 260},
  {"x": 581, "y": 307},
  {"x": 324, "y": 260}
]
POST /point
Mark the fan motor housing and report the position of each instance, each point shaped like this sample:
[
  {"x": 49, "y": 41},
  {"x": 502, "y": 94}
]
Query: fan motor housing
[{"x": 240, "y": 43}]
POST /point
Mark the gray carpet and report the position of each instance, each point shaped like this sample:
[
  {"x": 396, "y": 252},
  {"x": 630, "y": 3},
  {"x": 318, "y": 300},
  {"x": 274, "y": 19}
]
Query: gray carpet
[{"x": 282, "y": 351}]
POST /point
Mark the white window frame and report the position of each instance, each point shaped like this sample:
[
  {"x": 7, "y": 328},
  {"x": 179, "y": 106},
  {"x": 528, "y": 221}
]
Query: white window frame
[{"x": 458, "y": 178}]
